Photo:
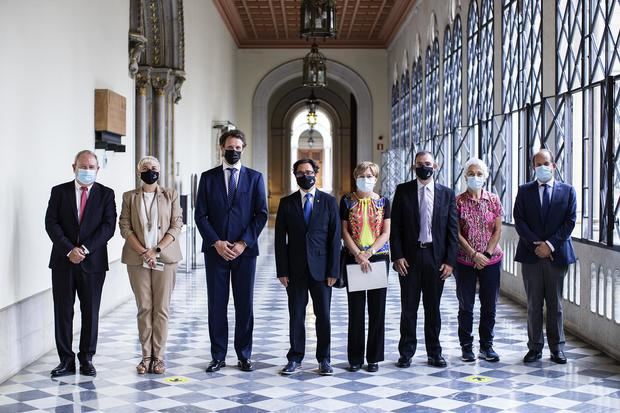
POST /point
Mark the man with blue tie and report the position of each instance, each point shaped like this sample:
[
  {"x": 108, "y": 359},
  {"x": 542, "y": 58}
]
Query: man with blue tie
[
  {"x": 231, "y": 211},
  {"x": 545, "y": 213},
  {"x": 307, "y": 246}
]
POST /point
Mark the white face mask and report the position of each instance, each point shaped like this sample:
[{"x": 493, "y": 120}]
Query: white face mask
[
  {"x": 365, "y": 184},
  {"x": 475, "y": 182}
]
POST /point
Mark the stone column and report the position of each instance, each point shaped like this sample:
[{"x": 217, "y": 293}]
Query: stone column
[
  {"x": 143, "y": 79},
  {"x": 160, "y": 81}
]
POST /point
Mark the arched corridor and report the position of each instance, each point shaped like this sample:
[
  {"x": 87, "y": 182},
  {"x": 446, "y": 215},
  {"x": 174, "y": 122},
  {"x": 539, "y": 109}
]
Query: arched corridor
[{"x": 590, "y": 382}]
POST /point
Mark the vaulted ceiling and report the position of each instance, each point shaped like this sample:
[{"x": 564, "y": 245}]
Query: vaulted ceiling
[{"x": 275, "y": 23}]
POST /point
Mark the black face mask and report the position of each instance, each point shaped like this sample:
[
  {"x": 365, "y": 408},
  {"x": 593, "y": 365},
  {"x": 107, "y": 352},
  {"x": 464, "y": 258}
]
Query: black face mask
[
  {"x": 149, "y": 177},
  {"x": 232, "y": 156},
  {"x": 306, "y": 182},
  {"x": 424, "y": 172}
]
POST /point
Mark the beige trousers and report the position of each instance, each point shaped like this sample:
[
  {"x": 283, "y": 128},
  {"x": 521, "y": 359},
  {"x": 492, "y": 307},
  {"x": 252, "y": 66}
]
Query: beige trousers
[{"x": 152, "y": 290}]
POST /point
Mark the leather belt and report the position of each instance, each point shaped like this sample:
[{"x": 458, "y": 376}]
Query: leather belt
[{"x": 425, "y": 244}]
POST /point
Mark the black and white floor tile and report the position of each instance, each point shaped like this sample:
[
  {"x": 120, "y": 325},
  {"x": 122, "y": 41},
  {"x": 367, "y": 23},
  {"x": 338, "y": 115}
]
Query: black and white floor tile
[{"x": 589, "y": 382}]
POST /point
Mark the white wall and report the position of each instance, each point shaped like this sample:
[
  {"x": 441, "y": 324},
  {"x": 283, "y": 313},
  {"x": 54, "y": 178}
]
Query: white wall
[
  {"x": 55, "y": 54},
  {"x": 370, "y": 64}
]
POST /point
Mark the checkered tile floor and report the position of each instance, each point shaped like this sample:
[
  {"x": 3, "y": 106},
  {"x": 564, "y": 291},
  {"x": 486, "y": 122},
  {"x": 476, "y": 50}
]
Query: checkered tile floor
[{"x": 589, "y": 382}]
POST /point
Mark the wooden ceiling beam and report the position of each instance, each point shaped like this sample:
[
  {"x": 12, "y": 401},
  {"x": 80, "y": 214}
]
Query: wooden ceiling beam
[
  {"x": 247, "y": 10},
  {"x": 284, "y": 19},
  {"x": 352, "y": 23},
  {"x": 372, "y": 29},
  {"x": 273, "y": 18}
]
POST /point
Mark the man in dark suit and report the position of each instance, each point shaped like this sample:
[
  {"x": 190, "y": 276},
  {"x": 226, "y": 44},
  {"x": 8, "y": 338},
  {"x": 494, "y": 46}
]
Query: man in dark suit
[
  {"x": 307, "y": 246},
  {"x": 231, "y": 212},
  {"x": 423, "y": 241},
  {"x": 80, "y": 219},
  {"x": 545, "y": 213}
]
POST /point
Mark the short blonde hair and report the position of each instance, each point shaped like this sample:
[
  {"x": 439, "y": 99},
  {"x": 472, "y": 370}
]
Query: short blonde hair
[
  {"x": 362, "y": 166},
  {"x": 148, "y": 159}
]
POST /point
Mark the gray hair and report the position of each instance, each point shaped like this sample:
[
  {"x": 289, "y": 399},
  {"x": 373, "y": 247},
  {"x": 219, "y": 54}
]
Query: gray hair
[
  {"x": 85, "y": 152},
  {"x": 148, "y": 159},
  {"x": 476, "y": 162}
]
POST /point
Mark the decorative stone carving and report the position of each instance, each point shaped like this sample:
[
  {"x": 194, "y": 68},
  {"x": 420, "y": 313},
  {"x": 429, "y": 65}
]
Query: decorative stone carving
[
  {"x": 179, "y": 78},
  {"x": 160, "y": 80},
  {"x": 137, "y": 44},
  {"x": 143, "y": 78}
]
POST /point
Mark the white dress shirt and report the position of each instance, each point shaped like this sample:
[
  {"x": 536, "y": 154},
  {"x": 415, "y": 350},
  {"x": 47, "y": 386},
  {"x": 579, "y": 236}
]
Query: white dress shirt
[
  {"x": 150, "y": 237},
  {"x": 430, "y": 199},
  {"x": 541, "y": 190},
  {"x": 225, "y": 166},
  {"x": 303, "y": 196}
]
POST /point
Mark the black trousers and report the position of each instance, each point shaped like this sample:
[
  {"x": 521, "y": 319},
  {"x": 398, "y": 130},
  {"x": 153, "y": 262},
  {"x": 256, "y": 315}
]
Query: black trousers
[
  {"x": 321, "y": 294},
  {"x": 376, "y": 322},
  {"x": 423, "y": 278},
  {"x": 220, "y": 275},
  {"x": 66, "y": 282}
]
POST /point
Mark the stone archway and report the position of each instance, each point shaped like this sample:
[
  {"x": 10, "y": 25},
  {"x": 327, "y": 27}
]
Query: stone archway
[{"x": 290, "y": 70}]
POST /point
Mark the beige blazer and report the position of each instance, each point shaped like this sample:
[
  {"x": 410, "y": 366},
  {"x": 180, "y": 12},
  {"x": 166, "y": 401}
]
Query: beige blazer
[{"x": 170, "y": 221}]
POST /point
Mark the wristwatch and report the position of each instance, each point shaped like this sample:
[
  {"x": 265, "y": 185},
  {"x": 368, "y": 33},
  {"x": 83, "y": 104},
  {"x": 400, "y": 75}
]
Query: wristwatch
[
  {"x": 372, "y": 251},
  {"x": 157, "y": 249},
  {"x": 487, "y": 254}
]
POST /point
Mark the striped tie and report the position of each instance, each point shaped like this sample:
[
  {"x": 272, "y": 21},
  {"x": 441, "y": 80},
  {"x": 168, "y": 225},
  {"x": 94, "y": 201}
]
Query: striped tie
[{"x": 232, "y": 185}]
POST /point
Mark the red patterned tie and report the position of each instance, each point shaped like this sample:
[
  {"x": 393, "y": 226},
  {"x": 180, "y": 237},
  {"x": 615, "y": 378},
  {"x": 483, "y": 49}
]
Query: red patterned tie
[{"x": 83, "y": 199}]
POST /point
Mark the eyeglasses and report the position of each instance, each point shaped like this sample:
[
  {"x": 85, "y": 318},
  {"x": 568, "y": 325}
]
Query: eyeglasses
[{"x": 306, "y": 173}]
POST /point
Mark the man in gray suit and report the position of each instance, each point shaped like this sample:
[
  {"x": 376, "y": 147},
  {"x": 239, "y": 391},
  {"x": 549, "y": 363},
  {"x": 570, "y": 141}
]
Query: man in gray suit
[{"x": 545, "y": 215}]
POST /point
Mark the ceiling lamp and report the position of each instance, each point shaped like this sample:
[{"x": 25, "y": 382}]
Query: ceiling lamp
[
  {"x": 310, "y": 138},
  {"x": 313, "y": 104},
  {"x": 315, "y": 71},
  {"x": 318, "y": 18}
]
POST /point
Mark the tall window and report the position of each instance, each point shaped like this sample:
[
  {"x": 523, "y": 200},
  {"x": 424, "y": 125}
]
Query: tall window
[
  {"x": 431, "y": 86},
  {"x": 416, "y": 113},
  {"x": 394, "y": 137},
  {"x": 404, "y": 110},
  {"x": 510, "y": 56},
  {"x": 569, "y": 35},
  {"x": 473, "y": 44},
  {"x": 447, "y": 83},
  {"x": 486, "y": 54}
]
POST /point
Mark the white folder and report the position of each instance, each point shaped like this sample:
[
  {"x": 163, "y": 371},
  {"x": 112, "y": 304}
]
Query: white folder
[{"x": 361, "y": 281}]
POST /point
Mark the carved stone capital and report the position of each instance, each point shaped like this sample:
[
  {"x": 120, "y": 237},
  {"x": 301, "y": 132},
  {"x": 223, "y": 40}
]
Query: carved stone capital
[
  {"x": 160, "y": 79},
  {"x": 179, "y": 78},
  {"x": 137, "y": 44},
  {"x": 143, "y": 79}
]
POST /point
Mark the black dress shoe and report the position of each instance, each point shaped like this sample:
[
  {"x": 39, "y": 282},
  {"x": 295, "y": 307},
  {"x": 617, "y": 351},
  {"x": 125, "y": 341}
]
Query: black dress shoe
[
  {"x": 558, "y": 357},
  {"x": 436, "y": 361},
  {"x": 65, "y": 368},
  {"x": 290, "y": 368},
  {"x": 403, "y": 362},
  {"x": 245, "y": 365},
  {"x": 488, "y": 354},
  {"x": 532, "y": 356},
  {"x": 372, "y": 367},
  {"x": 354, "y": 367},
  {"x": 325, "y": 369},
  {"x": 88, "y": 369},
  {"x": 215, "y": 365},
  {"x": 467, "y": 354}
]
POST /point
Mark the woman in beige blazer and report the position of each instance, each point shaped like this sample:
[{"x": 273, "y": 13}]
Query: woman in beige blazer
[{"x": 150, "y": 222}]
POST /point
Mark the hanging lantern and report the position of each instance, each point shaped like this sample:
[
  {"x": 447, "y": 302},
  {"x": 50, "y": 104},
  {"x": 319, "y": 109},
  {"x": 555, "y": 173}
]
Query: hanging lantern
[
  {"x": 315, "y": 71},
  {"x": 311, "y": 118},
  {"x": 310, "y": 139},
  {"x": 313, "y": 104},
  {"x": 318, "y": 18}
]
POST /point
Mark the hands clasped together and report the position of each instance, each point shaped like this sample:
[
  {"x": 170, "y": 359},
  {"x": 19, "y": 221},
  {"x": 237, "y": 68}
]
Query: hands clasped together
[{"x": 228, "y": 250}]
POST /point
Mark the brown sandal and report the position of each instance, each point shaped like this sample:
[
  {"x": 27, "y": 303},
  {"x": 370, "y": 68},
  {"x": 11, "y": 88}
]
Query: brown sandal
[
  {"x": 158, "y": 366},
  {"x": 144, "y": 366}
]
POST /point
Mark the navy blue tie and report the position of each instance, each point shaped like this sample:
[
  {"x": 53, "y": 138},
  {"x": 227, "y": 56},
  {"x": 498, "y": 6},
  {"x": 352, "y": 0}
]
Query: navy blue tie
[
  {"x": 545, "y": 201},
  {"x": 308, "y": 208},
  {"x": 232, "y": 185}
]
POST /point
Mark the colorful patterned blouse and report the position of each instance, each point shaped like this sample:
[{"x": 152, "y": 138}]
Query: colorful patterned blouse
[
  {"x": 477, "y": 222},
  {"x": 365, "y": 219}
]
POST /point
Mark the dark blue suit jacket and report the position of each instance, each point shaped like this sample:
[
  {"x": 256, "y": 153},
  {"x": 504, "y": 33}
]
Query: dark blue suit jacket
[
  {"x": 555, "y": 228},
  {"x": 316, "y": 247},
  {"x": 243, "y": 220},
  {"x": 66, "y": 232},
  {"x": 405, "y": 224}
]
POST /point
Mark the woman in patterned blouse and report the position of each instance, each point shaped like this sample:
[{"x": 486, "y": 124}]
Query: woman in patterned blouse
[
  {"x": 365, "y": 219},
  {"x": 479, "y": 259}
]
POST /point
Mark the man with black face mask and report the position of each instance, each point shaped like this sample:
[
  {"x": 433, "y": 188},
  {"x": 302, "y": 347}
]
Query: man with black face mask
[
  {"x": 307, "y": 246},
  {"x": 423, "y": 240},
  {"x": 231, "y": 211}
]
